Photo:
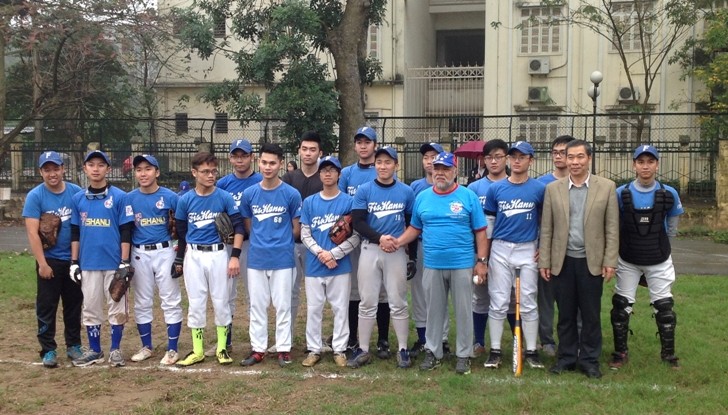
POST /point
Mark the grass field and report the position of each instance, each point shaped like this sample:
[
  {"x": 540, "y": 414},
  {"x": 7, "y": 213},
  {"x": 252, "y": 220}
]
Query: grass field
[{"x": 645, "y": 386}]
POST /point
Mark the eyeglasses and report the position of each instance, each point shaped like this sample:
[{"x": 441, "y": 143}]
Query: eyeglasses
[
  {"x": 557, "y": 153},
  {"x": 207, "y": 172},
  {"x": 97, "y": 196},
  {"x": 328, "y": 170},
  {"x": 494, "y": 158},
  {"x": 240, "y": 158},
  {"x": 521, "y": 157}
]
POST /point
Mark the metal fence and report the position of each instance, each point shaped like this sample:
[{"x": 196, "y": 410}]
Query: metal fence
[{"x": 688, "y": 143}]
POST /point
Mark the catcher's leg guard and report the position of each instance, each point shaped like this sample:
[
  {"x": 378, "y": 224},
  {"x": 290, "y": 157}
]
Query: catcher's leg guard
[
  {"x": 666, "y": 322},
  {"x": 621, "y": 309}
]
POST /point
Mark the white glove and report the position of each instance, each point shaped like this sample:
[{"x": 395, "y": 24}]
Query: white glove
[{"x": 75, "y": 272}]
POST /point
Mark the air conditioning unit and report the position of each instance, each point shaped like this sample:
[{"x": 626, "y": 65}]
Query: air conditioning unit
[
  {"x": 626, "y": 95},
  {"x": 539, "y": 66},
  {"x": 538, "y": 94}
]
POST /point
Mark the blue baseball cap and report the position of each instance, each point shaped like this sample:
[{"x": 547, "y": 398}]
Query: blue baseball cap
[
  {"x": 99, "y": 154},
  {"x": 446, "y": 159},
  {"x": 50, "y": 157},
  {"x": 646, "y": 149},
  {"x": 522, "y": 147},
  {"x": 437, "y": 148},
  {"x": 390, "y": 151},
  {"x": 145, "y": 157},
  {"x": 241, "y": 144},
  {"x": 329, "y": 161},
  {"x": 184, "y": 186},
  {"x": 367, "y": 132}
]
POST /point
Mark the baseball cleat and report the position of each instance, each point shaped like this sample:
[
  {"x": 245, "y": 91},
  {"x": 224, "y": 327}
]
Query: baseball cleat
[
  {"x": 430, "y": 362},
  {"x": 311, "y": 359},
  {"x": 533, "y": 360},
  {"x": 549, "y": 350},
  {"x": 75, "y": 352},
  {"x": 224, "y": 358},
  {"x": 383, "y": 349},
  {"x": 619, "y": 359},
  {"x": 478, "y": 350},
  {"x": 403, "y": 359},
  {"x": 284, "y": 359},
  {"x": 190, "y": 359},
  {"x": 359, "y": 359},
  {"x": 462, "y": 367},
  {"x": 116, "y": 359},
  {"x": 417, "y": 348},
  {"x": 50, "y": 359},
  {"x": 494, "y": 359},
  {"x": 672, "y": 361},
  {"x": 143, "y": 354},
  {"x": 212, "y": 350},
  {"x": 254, "y": 358},
  {"x": 89, "y": 358},
  {"x": 340, "y": 359},
  {"x": 170, "y": 358}
]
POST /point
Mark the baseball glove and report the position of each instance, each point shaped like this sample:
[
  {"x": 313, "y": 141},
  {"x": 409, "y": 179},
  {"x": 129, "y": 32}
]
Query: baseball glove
[
  {"x": 121, "y": 281},
  {"x": 224, "y": 227},
  {"x": 172, "y": 225},
  {"x": 48, "y": 228},
  {"x": 341, "y": 230},
  {"x": 411, "y": 269}
]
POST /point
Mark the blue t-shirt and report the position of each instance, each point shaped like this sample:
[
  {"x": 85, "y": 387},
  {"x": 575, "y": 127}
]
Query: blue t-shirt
[
  {"x": 386, "y": 206},
  {"x": 419, "y": 185},
  {"x": 547, "y": 178},
  {"x": 41, "y": 200},
  {"x": 645, "y": 200},
  {"x": 480, "y": 188},
  {"x": 151, "y": 215},
  {"x": 99, "y": 221},
  {"x": 320, "y": 215},
  {"x": 517, "y": 209},
  {"x": 200, "y": 212},
  {"x": 354, "y": 176},
  {"x": 271, "y": 214},
  {"x": 447, "y": 221},
  {"x": 235, "y": 186}
]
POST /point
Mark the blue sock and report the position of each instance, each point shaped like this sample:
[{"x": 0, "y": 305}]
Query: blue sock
[
  {"x": 145, "y": 332},
  {"x": 94, "y": 338},
  {"x": 117, "y": 330},
  {"x": 421, "y": 335},
  {"x": 479, "y": 321},
  {"x": 229, "y": 336},
  {"x": 512, "y": 321},
  {"x": 173, "y": 331}
]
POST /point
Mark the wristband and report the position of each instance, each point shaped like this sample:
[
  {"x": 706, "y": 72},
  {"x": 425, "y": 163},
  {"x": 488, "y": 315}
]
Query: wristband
[{"x": 235, "y": 252}]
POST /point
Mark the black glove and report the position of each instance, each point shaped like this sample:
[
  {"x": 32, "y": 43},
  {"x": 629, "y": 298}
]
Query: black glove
[
  {"x": 75, "y": 272},
  {"x": 177, "y": 267},
  {"x": 411, "y": 269}
]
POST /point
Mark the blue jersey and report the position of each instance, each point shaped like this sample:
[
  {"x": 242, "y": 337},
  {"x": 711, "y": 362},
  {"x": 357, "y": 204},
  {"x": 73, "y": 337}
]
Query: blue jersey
[
  {"x": 200, "y": 213},
  {"x": 386, "y": 206},
  {"x": 547, "y": 178},
  {"x": 41, "y": 200},
  {"x": 419, "y": 185},
  {"x": 151, "y": 215},
  {"x": 517, "y": 209},
  {"x": 447, "y": 221},
  {"x": 480, "y": 188},
  {"x": 320, "y": 215},
  {"x": 99, "y": 221},
  {"x": 236, "y": 186},
  {"x": 271, "y": 214},
  {"x": 645, "y": 200},
  {"x": 354, "y": 176}
]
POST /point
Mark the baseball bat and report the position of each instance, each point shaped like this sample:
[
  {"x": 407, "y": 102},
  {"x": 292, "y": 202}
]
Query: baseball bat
[{"x": 517, "y": 332}]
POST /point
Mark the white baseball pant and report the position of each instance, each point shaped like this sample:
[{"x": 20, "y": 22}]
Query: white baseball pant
[
  {"x": 206, "y": 273},
  {"x": 660, "y": 278},
  {"x": 335, "y": 290},
  {"x": 264, "y": 287},
  {"x": 95, "y": 288},
  {"x": 153, "y": 268}
]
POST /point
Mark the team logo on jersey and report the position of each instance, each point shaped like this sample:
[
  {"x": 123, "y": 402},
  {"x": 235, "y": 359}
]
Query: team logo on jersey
[
  {"x": 456, "y": 207},
  {"x": 324, "y": 223},
  {"x": 351, "y": 190},
  {"x": 481, "y": 199},
  {"x": 109, "y": 203},
  {"x": 160, "y": 203},
  {"x": 83, "y": 215},
  {"x": 202, "y": 219},
  {"x": 237, "y": 197},
  {"x": 267, "y": 211},
  {"x": 515, "y": 207},
  {"x": 129, "y": 210},
  {"x": 383, "y": 209},
  {"x": 97, "y": 222},
  {"x": 63, "y": 212}
]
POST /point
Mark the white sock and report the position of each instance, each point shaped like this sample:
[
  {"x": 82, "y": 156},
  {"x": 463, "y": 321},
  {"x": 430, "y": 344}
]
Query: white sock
[
  {"x": 495, "y": 328},
  {"x": 366, "y": 326},
  {"x": 530, "y": 333},
  {"x": 401, "y": 329}
]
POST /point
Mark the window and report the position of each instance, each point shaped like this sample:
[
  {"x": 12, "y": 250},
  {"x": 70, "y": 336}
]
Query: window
[
  {"x": 622, "y": 135},
  {"x": 631, "y": 19},
  {"x": 219, "y": 30},
  {"x": 540, "y": 30},
  {"x": 460, "y": 48},
  {"x": 374, "y": 42},
  {"x": 181, "y": 125},
  {"x": 221, "y": 122},
  {"x": 538, "y": 130},
  {"x": 465, "y": 128}
]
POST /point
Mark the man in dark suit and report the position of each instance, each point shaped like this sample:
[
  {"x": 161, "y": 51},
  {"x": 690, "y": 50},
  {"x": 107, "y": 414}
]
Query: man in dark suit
[
  {"x": 579, "y": 248},
  {"x": 479, "y": 171}
]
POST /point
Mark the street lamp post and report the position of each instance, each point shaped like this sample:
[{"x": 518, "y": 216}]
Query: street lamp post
[{"x": 593, "y": 92}]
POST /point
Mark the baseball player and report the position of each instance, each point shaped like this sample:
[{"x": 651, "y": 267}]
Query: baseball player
[
  {"x": 184, "y": 187},
  {"x": 351, "y": 178},
  {"x": 649, "y": 213},
  {"x": 327, "y": 265},
  {"x": 429, "y": 152},
  {"x": 545, "y": 288},
  {"x": 203, "y": 258},
  {"x": 101, "y": 225},
  {"x": 52, "y": 263},
  {"x": 380, "y": 213},
  {"x": 452, "y": 221},
  {"x": 152, "y": 258},
  {"x": 307, "y": 181},
  {"x": 242, "y": 177},
  {"x": 512, "y": 207},
  {"x": 271, "y": 210}
]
